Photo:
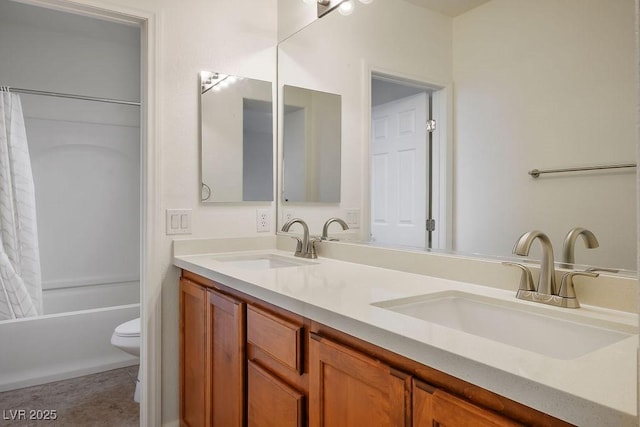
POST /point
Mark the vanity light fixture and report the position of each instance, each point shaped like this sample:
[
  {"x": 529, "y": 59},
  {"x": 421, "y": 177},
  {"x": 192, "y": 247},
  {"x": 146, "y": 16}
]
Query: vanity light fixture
[
  {"x": 345, "y": 7},
  {"x": 215, "y": 81},
  {"x": 326, "y": 6}
]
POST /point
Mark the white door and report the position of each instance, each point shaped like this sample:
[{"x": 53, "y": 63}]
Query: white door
[{"x": 399, "y": 147}]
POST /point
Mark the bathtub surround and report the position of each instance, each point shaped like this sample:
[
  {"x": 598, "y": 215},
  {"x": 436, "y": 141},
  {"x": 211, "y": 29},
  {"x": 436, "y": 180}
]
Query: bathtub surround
[
  {"x": 62, "y": 346},
  {"x": 85, "y": 155},
  {"x": 20, "y": 278}
]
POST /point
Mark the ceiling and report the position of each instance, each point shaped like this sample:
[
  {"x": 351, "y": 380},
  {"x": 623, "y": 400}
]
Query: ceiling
[{"x": 450, "y": 8}]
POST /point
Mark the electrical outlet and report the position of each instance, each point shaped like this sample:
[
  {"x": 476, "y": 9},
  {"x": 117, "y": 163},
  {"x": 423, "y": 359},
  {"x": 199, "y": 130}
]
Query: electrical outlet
[
  {"x": 263, "y": 221},
  {"x": 288, "y": 215},
  {"x": 178, "y": 221}
]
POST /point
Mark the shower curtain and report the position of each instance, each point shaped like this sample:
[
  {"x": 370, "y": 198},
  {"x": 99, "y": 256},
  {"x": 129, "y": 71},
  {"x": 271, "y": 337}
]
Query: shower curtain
[{"x": 20, "y": 279}]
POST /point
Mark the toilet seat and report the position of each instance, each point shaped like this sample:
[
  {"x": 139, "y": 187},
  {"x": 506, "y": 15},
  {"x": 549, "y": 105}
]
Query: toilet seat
[
  {"x": 127, "y": 337},
  {"x": 128, "y": 329}
]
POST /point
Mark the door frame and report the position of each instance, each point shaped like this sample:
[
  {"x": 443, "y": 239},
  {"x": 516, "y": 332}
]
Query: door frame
[
  {"x": 150, "y": 277},
  {"x": 442, "y": 164}
]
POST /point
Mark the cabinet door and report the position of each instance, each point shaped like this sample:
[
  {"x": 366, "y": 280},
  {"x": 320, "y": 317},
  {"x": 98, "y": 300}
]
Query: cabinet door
[
  {"x": 435, "y": 408},
  {"x": 193, "y": 359},
  {"x": 226, "y": 360},
  {"x": 348, "y": 388},
  {"x": 271, "y": 402}
]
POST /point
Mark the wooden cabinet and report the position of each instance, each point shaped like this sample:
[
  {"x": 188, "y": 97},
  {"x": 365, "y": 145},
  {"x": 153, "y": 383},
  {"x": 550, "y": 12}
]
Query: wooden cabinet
[
  {"x": 244, "y": 362},
  {"x": 271, "y": 402},
  {"x": 347, "y": 388},
  {"x": 277, "y": 383},
  {"x": 436, "y": 408},
  {"x": 193, "y": 358},
  {"x": 212, "y": 357},
  {"x": 226, "y": 359}
]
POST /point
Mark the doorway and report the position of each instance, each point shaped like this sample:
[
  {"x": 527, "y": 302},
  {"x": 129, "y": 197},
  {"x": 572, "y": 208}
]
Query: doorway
[
  {"x": 404, "y": 163},
  {"x": 78, "y": 80}
]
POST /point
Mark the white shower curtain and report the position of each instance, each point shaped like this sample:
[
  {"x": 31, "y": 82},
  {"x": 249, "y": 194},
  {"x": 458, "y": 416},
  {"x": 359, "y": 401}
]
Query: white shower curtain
[{"x": 20, "y": 279}]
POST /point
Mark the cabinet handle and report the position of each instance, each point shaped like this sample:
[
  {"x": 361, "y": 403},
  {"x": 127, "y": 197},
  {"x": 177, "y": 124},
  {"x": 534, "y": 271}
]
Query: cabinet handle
[
  {"x": 315, "y": 336},
  {"x": 398, "y": 374},
  {"x": 424, "y": 386}
]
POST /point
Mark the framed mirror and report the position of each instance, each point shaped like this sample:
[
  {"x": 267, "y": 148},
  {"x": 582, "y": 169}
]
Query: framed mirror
[
  {"x": 312, "y": 122},
  {"x": 237, "y": 138},
  {"x": 514, "y": 86}
]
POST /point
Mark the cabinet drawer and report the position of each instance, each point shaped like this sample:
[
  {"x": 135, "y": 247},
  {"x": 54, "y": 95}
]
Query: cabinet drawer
[{"x": 279, "y": 338}]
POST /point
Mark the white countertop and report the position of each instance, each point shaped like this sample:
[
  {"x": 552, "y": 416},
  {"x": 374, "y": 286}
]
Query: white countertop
[{"x": 596, "y": 389}]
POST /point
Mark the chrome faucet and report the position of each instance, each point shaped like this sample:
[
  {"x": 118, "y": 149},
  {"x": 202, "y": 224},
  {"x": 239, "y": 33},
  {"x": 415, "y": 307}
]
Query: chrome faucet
[
  {"x": 306, "y": 247},
  {"x": 546, "y": 291},
  {"x": 325, "y": 228},
  {"x": 569, "y": 245},
  {"x": 547, "y": 279}
]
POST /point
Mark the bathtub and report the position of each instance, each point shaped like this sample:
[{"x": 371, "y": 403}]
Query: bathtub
[{"x": 58, "y": 346}]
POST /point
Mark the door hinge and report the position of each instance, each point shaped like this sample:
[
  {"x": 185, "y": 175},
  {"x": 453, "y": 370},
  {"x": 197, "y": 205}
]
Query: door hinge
[
  {"x": 431, "y": 125},
  {"x": 431, "y": 225}
]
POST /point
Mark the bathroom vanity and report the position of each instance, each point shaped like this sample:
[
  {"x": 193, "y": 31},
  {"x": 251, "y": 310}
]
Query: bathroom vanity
[{"x": 269, "y": 339}]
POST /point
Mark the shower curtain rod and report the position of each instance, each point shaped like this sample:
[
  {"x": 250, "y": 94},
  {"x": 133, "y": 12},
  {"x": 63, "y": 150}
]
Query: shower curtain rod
[{"x": 72, "y": 96}]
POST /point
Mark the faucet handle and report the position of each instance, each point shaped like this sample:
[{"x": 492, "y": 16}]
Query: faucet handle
[
  {"x": 567, "y": 289},
  {"x": 298, "y": 245},
  {"x": 312, "y": 247},
  {"x": 526, "y": 279}
]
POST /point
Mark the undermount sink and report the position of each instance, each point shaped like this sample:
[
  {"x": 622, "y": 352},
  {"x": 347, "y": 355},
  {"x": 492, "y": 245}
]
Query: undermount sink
[
  {"x": 262, "y": 261},
  {"x": 511, "y": 323}
]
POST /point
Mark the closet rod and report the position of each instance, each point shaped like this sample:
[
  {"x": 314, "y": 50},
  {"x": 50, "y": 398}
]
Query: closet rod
[
  {"x": 537, "y": 172},
  {"x": 72, "y": 96}
]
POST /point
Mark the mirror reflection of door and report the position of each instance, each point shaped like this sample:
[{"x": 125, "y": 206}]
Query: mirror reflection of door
[{"x": 402, "y": 196}]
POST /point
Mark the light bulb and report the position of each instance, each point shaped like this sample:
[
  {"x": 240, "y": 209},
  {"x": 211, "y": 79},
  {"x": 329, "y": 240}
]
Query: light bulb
[{"x": 346, "y": 8}]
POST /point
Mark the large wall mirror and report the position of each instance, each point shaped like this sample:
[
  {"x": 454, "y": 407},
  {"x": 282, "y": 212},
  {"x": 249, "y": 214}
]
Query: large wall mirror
[
  {"x": 311, "y": 146},
  {"x": 236, "y": 125},
  {"x": 513, "y": 86}
]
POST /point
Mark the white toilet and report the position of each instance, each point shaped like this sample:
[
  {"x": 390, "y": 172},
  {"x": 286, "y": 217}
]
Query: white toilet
[{"x": 127, "y": 338}]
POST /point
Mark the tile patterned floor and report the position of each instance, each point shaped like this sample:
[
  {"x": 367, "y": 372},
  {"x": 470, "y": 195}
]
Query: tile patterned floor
[{"x": 99, "y": 400}]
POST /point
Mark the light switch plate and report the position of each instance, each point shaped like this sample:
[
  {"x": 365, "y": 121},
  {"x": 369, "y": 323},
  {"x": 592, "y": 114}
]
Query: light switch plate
[
  {"x": 178, "y": 221},
  {"x": 353, "y": 218},
  {"x": 288, "y": 215}
]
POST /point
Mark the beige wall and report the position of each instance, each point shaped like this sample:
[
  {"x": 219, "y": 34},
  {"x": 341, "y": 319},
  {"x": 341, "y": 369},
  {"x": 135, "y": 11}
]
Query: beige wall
[
  {"x": 335, "y": 54},
  {"x": 554, "y": 90},
  {"x": 203, "y": 35}
]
